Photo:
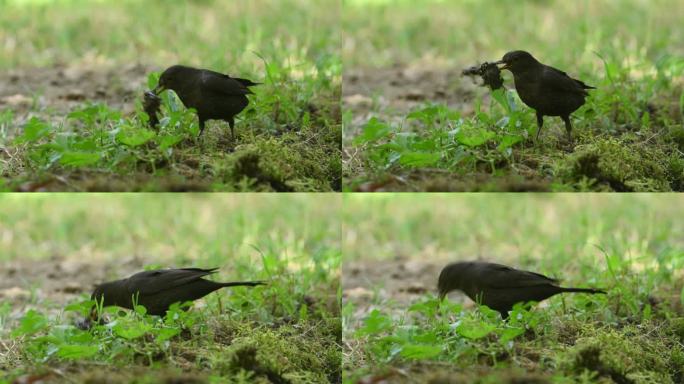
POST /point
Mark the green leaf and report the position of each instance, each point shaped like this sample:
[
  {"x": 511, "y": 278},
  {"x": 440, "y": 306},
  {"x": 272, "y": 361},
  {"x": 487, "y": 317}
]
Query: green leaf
[
  {"x": 135, "y": 137},
  {"x": 474, "y": 138},
  {"x": 373, "y": 131},
  {"x": 79, "y": 159},
  {"x": 32, "y": 322},
  {"x": 500, "y": 96},
  {"x": 428, "y": 307},
  {"x": 647, "y": 313},
  {"x": 140, "y": 310},
  {"x": 510, "y": 334},
  {"x": 166, "y": 334},
  {"x": 429, "y": 114},
  {"x": 77, "y": 351},
  {"x": 34, "y": 130},
  {"x": 152, "y": 80},
  {"x": 169, "y": 141},
  {"x": 508, "y": 141},
  {"x": 83, "y": 308},
  {"x": 645, "y": 120},
  {"x": 475, "y": 330},
  {"x": 375, "y": 323},
  {"x": 614, "y": 262},
  {"x": 419, "y": 159},
  {"x": 131, "y": 332},
  {"x": 420, "y": 351}
]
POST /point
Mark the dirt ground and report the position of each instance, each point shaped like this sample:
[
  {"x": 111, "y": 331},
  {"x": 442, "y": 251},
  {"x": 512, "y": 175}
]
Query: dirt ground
[
  {"x": 59, "y": 89},
  {"x": 56, "y": 281},
  {"x": 397, "y": 90},
  {"x": 402, "y": 280}
]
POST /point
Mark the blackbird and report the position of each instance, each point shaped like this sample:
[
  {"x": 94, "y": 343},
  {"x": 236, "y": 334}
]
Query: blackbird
[
  {"x": 547, "y": 90},
  {"x": 157, "y": 290},
  {"x": 213, "y": 95},
  {"x": 499, "y": 287}
]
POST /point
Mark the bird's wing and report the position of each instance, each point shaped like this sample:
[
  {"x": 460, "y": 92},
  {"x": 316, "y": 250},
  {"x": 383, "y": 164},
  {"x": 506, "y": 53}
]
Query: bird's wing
[
  {"x": 245, "y": 82},
  {"x": 151, "y": 282},
  {"x": 560, "y": 80},
  {"x": 501, "y": 276},
  {"x": 218, "y": 83}
]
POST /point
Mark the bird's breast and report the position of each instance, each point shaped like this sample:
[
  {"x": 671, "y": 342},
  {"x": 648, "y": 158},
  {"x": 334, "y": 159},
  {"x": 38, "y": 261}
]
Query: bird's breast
[{"x": 528, "y": 89}]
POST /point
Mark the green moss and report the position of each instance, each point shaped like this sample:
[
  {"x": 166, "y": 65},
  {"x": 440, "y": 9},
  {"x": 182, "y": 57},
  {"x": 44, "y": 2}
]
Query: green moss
[
  {"x": 273, "y": 164},
  {"x": 302, "y": 353},
  {"x": 677, "y": 327},
  {"x": 621, "y": 165},
  {"x": 629, "y": 355}
]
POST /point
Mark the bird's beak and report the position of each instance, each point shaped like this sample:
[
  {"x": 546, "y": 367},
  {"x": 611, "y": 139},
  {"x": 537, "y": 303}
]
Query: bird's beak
[
  {"x": 502, "y": 62},
  {"x": 158, "y": 89}
]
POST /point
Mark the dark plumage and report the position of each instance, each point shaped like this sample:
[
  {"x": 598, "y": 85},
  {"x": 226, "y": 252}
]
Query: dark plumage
[
  {"x": 157, "y": 290},
  {"x": 499, "y": 287},
  {"x": 547, "y": 90},
  {"x": 213, "y": 95}
]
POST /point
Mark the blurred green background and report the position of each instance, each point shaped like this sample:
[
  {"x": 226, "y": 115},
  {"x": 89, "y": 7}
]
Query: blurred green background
[
  {"x": 303, "y": 34},
  {"x": 548, "y": 230},
  {"x": 247, "y": 232},
  {"x": 638, "y": 33}
]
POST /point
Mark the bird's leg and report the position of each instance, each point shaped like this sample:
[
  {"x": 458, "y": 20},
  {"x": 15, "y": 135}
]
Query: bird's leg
[
  {"x": 231, "y": 122},
  {"x": 568, "y": 126},
  {"x": 540, "y": 123},
  {"x": 201, "y": 126}
]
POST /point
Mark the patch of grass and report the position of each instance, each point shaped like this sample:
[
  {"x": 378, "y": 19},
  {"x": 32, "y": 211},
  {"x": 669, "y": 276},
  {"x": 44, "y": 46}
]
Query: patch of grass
[
  {"x": 629, "y": 245},
  {"x": 637, "y": 105},
  {"x": 286, "y": 331}
]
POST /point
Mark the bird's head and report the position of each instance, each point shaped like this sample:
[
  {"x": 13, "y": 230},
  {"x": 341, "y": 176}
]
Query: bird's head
[
  {"x": 171, "y": 78},
  {"x": 103, "y": 294},
  {"x": 518, "y": 61},
  {"x": 451, "y": 279}
]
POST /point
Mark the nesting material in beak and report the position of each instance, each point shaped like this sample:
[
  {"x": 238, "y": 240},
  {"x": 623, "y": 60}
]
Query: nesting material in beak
[{"x": 502, "y": 62}]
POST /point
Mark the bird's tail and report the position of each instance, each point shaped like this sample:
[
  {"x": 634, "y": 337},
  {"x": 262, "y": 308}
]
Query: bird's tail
[
  {"x": 584, "y": 290},
  {"x": 246, "y": 82},
  {"x": 243, "y": 283}
]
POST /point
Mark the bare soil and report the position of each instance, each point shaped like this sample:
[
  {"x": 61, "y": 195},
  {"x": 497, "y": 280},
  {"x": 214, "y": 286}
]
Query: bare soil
[
  {"x": 369, "y": 283},
  {"x": 57, "y": 90},
  {"x": 397, "y": 90},
  {"x": 53, "y": 282}
]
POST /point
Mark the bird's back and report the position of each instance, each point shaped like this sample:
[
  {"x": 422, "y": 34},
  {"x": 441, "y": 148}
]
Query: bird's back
[
  {"x": 222, "y": 96},
  {"x": 157, "y": 290},
  {"x": 499, "y": 286},
  {"x": 557, "y": 94}
]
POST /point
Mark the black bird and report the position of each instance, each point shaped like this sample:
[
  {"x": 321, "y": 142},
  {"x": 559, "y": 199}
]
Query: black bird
[
  {"x": 547, "y": 90},
  {"x": 499, "y": 287},
  {"x": 157, "y": 290},
  {"x": 213, "y": 95}
]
